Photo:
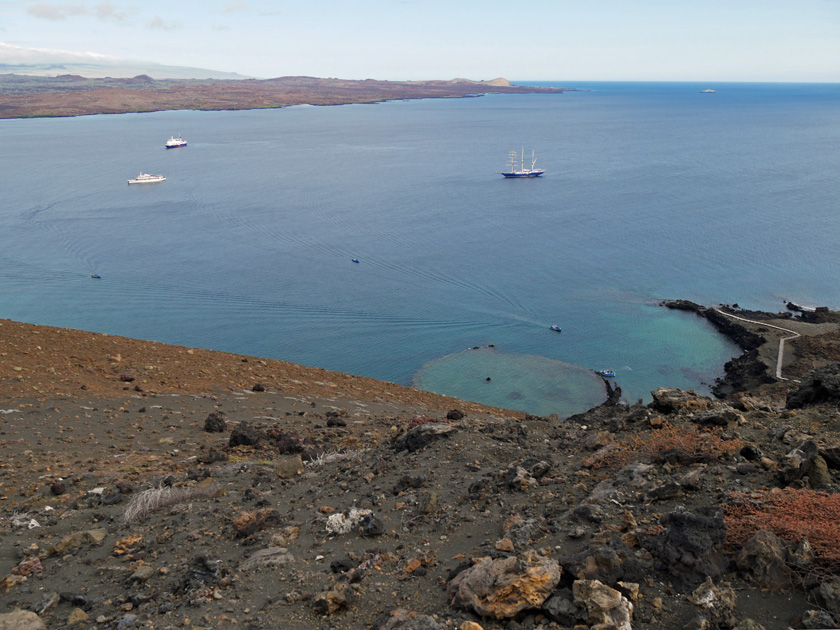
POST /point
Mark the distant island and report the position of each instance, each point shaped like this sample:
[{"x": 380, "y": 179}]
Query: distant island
[{"x": 25, "y": 96}]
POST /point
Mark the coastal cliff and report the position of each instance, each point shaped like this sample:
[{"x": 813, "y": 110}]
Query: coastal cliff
[{"x": 147, "y": 485}]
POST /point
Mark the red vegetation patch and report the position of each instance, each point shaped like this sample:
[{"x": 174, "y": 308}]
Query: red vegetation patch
[
  {"x": 683, "y": 445},
  {"x": 792, "y": 514}
]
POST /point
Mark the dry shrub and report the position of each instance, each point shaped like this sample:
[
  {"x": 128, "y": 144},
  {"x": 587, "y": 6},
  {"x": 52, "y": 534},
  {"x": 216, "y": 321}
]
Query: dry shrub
[
  {"x": 148, "y": 501},
  {"x": 337, "y": 456},
  {"x": 792, "y": 514},
  {"x": 684, "y": 445}
]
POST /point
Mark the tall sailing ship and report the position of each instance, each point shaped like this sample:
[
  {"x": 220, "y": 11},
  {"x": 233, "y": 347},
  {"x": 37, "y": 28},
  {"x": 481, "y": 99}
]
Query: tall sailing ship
[{"x": 522, "y": 171}]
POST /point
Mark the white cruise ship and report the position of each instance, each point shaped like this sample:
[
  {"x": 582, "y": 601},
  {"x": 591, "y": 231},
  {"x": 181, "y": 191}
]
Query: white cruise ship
[{"x": 145, "y": 178}]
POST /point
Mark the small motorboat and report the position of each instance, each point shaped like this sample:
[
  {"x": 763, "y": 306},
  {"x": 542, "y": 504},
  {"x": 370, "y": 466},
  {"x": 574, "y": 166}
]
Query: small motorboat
[
  {"x": 95, "y": 275},
  {"x": 355, "y": 260},
  {"x": 556, "y": 327},
  {"x": 606, "y": 372}
]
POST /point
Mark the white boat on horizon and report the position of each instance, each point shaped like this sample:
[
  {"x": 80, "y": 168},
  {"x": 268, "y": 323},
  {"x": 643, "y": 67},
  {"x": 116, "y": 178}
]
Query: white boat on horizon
[
  {"x": 522, "y": 171},
  {"x": 146, "y": 178},
  {"x": 174, "y": 143}
]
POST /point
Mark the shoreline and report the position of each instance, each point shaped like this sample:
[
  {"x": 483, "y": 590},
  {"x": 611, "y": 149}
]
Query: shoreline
[
  {"x": 70, "y": 96},
  {"x": 755, "y": 367}
]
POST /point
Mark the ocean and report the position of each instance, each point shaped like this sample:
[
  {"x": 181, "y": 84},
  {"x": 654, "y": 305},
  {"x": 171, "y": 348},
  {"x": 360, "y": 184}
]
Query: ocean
[{"x": 652, "y": 191}]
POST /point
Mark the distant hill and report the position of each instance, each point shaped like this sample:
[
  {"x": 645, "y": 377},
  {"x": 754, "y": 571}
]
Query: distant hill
[{"x": 116, "y": 69}]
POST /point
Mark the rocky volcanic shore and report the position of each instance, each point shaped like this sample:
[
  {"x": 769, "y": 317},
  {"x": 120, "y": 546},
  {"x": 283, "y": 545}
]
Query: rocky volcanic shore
[
  {"x": 146, "y": 485},
  {"x": 72, "y": 95}
]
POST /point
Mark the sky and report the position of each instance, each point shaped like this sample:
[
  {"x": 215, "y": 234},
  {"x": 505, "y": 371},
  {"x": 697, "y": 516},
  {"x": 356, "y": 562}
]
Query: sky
[{"x": 557, "y": 40}]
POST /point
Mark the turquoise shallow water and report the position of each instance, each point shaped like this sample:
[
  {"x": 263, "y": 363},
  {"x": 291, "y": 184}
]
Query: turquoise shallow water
[
  {"x": 539, "y": 385},
  {"x": 652, "y": 191}
]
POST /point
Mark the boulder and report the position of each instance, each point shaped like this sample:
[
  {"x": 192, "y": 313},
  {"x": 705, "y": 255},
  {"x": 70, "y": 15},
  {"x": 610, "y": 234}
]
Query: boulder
[
  {"x": 669, "y": 400},
  {"x": 244, "y": 434},
  {"x": 720, "y": 416},
  {"x": 605, "y": 606},
  {"x": 819, "y": 385},
  {"x": 408, "y": 620},
  {"x": 828, "y": 596},
  {"x": 77, "y": 615},
  {"x": 503, "y": 587},
  {"x": 215, "y": 423},
  {"x": 422, "y": 435},
  {"x": 798, "y": 462},
  {"x": 609, "y": 563},
  {"x": 818, "y": 474},
  {"x": 21, "y": 620},
  {"x": 30, "y": 566},
  {"x": 200, "y": 574},
  {"x": 763, "y": 559},
  {"x": 717, "y": 605},
  {"x": 692, "y": 547},
  {"x": 249, "y": 523},
  {"x": 77, "y": 539},
  {"x": 289, "y": 466},
  {"x": 524, "y": 531},
  {"x": 335, "y": 599},
  {"x": 518, "y": 478},
  {"x": 560, "y": 607},
  {"x": 816, "y": 620}
]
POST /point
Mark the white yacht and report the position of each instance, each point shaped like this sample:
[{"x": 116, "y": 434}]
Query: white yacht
[{"x": 145, "y": 178}]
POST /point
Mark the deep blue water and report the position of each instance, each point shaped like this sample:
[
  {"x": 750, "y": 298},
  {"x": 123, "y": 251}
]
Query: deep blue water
[{"x": 652, "y": 191}]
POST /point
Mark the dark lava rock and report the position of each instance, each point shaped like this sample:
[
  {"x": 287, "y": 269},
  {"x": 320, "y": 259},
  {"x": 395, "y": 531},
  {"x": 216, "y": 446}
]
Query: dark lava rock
[
  {"x": 334, "y": 421},
  {"x": 201, "y": 573},
  {"x": 343, "y": 565},
  {"x": 454, "y": 414},
  {"x": 692, "y": 547},
  {"x": 245, "y": 435},
  {"x": 798, "y": 462},
  {"x": 668, "y": 490},
  {"x": 820, "y": 385},
  {"x": 372, "y": 525},
  {"x": 258, "y": 388},
  {"x": 422, "y": 435},
  {"x": 409, "y": 481},
  {"x": 58, "y": 488},
  {"x": 561, "y": 608},
  {"x": 215, "y": 423},
  {"x": 213, "y": 456},
  {"x": 751, "y": 452},
  {"x": 764, "y": 559}
]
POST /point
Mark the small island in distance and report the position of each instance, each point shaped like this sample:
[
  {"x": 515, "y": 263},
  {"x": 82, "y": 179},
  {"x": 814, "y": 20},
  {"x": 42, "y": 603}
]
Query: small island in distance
[{"x": 25, "y": 96}]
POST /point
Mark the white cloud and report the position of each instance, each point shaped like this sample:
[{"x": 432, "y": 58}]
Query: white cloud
[
  {"x": 55, "y": 12},
  {"x": 159, "y": 24},
  {"x": 234, "y": 7},
  {"x": 106, "y": 11}
]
